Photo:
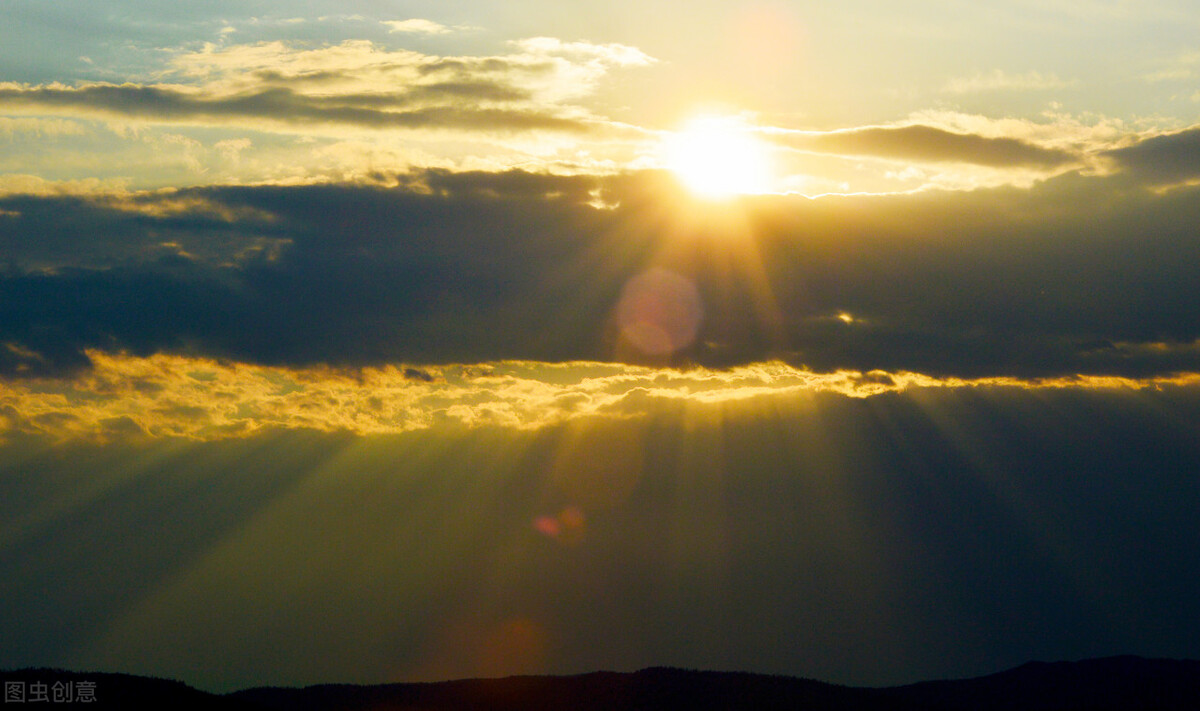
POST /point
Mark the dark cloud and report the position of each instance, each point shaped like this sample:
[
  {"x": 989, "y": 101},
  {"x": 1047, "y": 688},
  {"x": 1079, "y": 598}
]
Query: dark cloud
[
  {"x": 102, "y": 232},
  {"x": 1167, "y": 158},
  {"x": 301, "y": 78},
  {"x": 469, "y": 108},
  {"x": 1077, "y": 275},
  {"x": 418, "y": 374},
  {"x": 476, "y": 90},
  {"x": 467, "y": 66},
  {"x": 927, "y": 143}
]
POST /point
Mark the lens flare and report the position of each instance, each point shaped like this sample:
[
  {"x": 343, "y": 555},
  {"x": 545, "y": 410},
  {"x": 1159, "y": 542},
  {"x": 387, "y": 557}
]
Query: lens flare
[{"x": 659, "y": 312}]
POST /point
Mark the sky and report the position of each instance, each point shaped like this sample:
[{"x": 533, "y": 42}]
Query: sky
[{"x": 409, "y": 341}]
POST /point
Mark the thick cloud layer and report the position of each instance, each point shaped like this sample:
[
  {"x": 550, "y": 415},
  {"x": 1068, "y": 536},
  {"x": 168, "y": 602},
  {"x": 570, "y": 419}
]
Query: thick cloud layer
[{"x": 1078, "y": 275}]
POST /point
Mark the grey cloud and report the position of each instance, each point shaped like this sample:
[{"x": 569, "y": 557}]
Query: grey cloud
[
  {"x": 478, "y": 90},
  {"x": 418, "y": 374},
  {"x": 1163, "y": 159},
  {"x": 314, "y": 76},
  {"x": 105, "y": 232},
  {"x": 288, "y": 106},
  {"x": 927, "y": 143},
  {"x": 462, "y": 86},
  {"x": 462, "y": 66}
]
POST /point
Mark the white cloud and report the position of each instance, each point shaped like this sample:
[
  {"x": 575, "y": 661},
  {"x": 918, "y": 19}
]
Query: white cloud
[
  {"x": 232, "y": 148},
  {"x": 40, "y": 127},
  {"x": 549, "y": 69},
  {"x": 613, "y": 53},
  {"x": 416, "y": 26}
]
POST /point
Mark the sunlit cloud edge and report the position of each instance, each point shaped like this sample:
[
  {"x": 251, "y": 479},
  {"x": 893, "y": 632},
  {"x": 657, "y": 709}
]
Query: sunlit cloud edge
[{"x": 124, "y": 397}]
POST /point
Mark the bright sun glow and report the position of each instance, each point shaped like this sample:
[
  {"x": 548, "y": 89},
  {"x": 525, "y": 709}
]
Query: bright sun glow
[{"x": 719, "y": 157}]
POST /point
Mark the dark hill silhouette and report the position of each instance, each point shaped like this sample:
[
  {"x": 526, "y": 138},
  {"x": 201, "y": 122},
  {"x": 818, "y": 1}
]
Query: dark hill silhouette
[
  {"x": 657, "y": 688},
  {"x": 1117, "y": 683},
  {"x": 113, "y": 691},
  {"x": 1111, "y": 684}
]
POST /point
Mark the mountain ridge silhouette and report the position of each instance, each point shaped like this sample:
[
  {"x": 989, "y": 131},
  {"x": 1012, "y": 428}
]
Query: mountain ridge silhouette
[{"x": 1120, "y": 683}]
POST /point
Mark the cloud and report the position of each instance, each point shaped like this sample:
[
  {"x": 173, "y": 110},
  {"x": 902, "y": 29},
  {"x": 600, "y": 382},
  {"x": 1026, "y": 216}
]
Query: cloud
[
  {"x": 290, "y": 108},
  {"x": 1164, "y": 158},
  {"x": 1078, "y": 274},
  {"x": 231, "y": 148},
  {"x": 122, "y": 397},
  {"x": 33, "y": 185},
  {"x": 416, "y": 26},
  {"x": 528, "y": 105},
  {"x": 39, "y": 127},
  {"x": 602, "y": 54},
  {"x": 1181, "y": 67},
  {"x": 355, "y": 83},
  {"x": 932, "y": 144},
  {"x": 102, "y": 230}
]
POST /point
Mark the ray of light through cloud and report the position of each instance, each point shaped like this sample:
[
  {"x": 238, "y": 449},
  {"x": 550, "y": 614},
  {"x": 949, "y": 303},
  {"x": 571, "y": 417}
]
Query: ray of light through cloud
[{"x": 352, "y": 343}]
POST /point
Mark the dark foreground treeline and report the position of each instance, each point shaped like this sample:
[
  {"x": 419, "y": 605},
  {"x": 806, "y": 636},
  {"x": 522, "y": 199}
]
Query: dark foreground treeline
[{"x": 1116, "y": 684}]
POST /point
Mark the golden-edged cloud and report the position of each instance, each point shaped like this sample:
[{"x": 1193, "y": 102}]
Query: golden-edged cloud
[{"x": 123, "y": 396}]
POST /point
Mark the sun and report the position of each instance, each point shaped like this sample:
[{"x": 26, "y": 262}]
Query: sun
[{"x": 718, "y": 157}]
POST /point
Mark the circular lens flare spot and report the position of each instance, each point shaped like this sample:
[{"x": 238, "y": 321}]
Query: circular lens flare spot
[
  {"x": 567, "y": 527},
  {"x": 659, "y": 312}
]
